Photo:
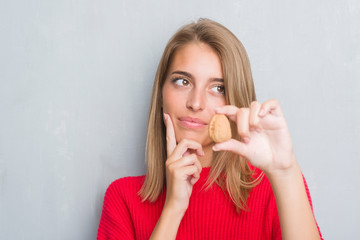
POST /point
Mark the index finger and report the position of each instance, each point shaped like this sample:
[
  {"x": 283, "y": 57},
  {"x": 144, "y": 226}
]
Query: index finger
[
  {"x": 170, "y": 135},
  {"x": 229, "y": 110},
  {"x": 238, "y": 115},
  {"x": 271, "y": 106}
]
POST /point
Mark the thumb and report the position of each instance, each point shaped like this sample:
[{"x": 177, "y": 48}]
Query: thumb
[{"x": 234, "y": 146}]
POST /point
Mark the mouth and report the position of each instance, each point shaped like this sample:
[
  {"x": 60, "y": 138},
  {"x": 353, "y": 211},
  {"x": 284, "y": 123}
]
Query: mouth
[{"x": 192, "y": 123}]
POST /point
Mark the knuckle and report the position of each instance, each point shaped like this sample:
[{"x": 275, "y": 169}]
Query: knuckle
[
  {"x": 185, "y": 160},
  {"x": 184, "y": 142},
  {"x": 241, "y": 132},
  {"x": 241, "y": 111},
  {"x": 188, "y": 143},
  {"x": 254, "y": 122},
  {"x": 170, "y": 168},
  {"x": 167, "y": 164}
]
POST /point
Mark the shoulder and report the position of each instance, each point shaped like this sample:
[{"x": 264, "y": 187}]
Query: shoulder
[
  {"x": 120, "y": 198},
  {"x": 131, "y": 181},
  {"x": 125, "y": 187}
]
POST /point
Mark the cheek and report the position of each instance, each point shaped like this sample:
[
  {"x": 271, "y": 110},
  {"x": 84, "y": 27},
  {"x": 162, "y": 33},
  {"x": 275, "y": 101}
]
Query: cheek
[
  {"x": 170, "y": 99},
  {"x": 216, "y": 102}
]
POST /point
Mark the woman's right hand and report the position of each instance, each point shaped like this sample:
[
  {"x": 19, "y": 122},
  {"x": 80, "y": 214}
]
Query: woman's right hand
[{"x": 182, "y": 169}]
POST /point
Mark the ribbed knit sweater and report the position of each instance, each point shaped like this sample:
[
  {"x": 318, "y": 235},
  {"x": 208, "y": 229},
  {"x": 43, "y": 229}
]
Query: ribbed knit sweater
[{"x": 210, "y": 215}]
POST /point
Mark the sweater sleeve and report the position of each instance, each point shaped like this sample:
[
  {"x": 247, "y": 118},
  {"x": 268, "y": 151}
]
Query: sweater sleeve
[
  {"x": 115, "y": 221},
  {"x": 309, "y": 197}
]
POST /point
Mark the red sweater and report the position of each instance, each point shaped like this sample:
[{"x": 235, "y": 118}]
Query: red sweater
[{"x": 210, "y": 215}]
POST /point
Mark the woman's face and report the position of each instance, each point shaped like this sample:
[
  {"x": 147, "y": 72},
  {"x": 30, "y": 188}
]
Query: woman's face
[{"x": 193, "y": 88}]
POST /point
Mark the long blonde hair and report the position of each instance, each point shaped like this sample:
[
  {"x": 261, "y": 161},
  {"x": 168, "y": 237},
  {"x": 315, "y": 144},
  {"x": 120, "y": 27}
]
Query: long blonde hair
[{"x": 231, "y": 172}]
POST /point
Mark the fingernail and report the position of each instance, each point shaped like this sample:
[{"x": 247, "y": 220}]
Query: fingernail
[
  {"x": 246, "y": 139},
  {"x": 164, "y": 115},
  {"x": 262, "y": 112},
  {"x": 214, "y": 148},
  {"x": 217, "y": 109}
]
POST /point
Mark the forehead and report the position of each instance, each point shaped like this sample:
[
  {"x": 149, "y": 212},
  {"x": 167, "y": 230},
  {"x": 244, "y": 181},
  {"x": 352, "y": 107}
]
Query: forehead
[{"x": 197, "y": 58}]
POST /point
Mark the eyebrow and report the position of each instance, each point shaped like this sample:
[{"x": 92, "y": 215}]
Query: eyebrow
[{"x": 191, "y": 76}]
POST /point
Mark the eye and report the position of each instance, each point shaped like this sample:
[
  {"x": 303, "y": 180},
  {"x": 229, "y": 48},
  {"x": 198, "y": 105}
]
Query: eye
[
  {"x": 220, "y": 89},
  {"x": 181, "y": 82}
]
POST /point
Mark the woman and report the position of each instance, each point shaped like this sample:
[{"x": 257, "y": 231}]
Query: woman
[{"x": 249, "y": 187}]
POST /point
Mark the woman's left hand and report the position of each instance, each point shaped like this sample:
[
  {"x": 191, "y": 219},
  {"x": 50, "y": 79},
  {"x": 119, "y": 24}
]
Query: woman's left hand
[{"x": 265, "y": 138}]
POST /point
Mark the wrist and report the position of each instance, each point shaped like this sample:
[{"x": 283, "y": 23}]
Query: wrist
[
  {"x": 285, "y": 180},
  {"x": 283, "y": 169},
  {"x": 284, "y": 175},
  {"x": 168, "y": 223},
  {"x": 172, "y": 208}
]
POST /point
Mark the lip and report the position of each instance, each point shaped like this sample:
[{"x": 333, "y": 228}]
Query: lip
[{"x": 193, "y": 123}]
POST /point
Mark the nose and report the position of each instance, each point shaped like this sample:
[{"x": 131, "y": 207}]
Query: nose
[{"x": 196, "y": 100}]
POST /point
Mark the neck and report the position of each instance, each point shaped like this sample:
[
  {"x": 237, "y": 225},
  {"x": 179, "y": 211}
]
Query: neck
[{"x": 206, "y": 160}]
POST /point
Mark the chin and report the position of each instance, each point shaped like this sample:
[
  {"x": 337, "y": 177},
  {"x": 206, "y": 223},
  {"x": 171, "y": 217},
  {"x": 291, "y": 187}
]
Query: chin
[{"x": 203, "y": 140}]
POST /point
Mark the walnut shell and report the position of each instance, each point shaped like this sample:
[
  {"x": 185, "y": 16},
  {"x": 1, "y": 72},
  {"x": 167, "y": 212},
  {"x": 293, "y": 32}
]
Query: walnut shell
[{"x": 219, "y": 128}]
